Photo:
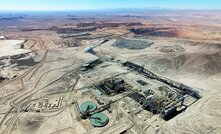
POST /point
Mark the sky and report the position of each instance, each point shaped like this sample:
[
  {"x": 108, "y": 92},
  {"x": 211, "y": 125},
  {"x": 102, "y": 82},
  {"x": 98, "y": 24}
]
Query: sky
[{"x": 106, "y": 4}]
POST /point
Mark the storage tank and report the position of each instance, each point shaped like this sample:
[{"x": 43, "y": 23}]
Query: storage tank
[
  {"x": 88, "y": 107},
  {"x": 89, "y": 50},
  {"x": 99, "y": 120}
]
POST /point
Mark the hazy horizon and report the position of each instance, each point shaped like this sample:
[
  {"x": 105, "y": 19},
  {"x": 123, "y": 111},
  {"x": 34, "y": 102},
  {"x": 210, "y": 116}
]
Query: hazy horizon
[{"x": 79, "y": 5}]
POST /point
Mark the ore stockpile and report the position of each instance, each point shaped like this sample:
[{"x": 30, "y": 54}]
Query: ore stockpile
[{"x": 133, "y": 44}]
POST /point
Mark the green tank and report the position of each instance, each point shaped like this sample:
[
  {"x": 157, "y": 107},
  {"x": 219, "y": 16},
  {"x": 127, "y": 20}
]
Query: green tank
[
  {"x": 88, "y": 107},
  {"x": 99, "y": 120}
]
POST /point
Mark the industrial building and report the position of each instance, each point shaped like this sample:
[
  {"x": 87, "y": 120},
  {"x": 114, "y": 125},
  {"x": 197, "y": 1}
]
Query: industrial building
[
  {"x": 113, "y": 86},
  {"x": 166, "y": 101}
]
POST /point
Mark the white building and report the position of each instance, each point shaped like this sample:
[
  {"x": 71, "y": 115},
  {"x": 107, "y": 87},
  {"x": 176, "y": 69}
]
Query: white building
[{"x": 2, "y": 37}]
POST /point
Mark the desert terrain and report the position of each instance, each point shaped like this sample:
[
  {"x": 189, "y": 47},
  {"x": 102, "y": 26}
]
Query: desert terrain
[{"x": 112, "y": 72}]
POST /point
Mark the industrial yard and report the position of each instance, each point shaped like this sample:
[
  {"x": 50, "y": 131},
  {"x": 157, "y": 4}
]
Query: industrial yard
[{"x": 109, "y": 77}]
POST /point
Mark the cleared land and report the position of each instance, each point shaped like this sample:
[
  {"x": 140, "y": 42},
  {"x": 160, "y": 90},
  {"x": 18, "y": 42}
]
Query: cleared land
[
  {"x": 12, "y": 47},
  {"x": 171, "y": 86}
]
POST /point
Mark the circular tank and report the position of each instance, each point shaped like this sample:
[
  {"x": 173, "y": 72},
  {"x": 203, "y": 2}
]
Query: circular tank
[
  {"x": 88, "y": 106},
  {"x": 99, "y": 120},
  {"x": 89, "y": 50}
]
